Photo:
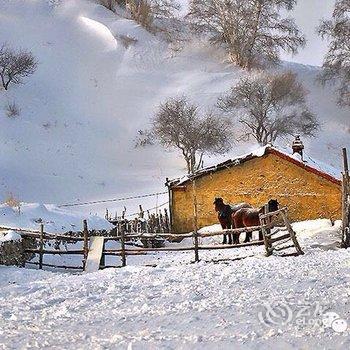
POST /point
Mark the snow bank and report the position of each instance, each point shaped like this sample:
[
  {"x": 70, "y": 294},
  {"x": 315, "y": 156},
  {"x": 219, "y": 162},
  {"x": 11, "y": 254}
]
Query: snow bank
[
  {"x": 9, "y": 236},
  {"x": 55, "y": 220},
  {"x": 181, "y": 305}
]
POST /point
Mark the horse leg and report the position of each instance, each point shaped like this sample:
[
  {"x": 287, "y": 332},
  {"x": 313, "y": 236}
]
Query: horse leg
[
  {"x": 223, "y": 227},
  {"x": 229, "y": 238},
  {"x": 248, "y": 237},
  {"x": 261, "y": 236},
  {"x": 229, "y": 226},
  {"x": 224, "y": 241},
  {"x": 236, "y": 223},
  {"x": 236, "y": 239}
]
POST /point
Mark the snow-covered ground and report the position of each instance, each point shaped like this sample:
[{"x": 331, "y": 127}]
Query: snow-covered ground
[
  {"x": 80, "y": 111},
  {"x": 180, "y": 304}
]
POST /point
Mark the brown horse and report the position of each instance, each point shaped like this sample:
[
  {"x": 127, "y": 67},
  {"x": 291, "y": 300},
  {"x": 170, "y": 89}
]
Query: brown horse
[
  {"x": 225, "y": 216},
  {"x": 248, "y": 217}
]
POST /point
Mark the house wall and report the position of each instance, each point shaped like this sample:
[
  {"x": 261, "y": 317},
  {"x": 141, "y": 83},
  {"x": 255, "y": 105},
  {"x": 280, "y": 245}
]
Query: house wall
[{"x": 307, "y": 195}]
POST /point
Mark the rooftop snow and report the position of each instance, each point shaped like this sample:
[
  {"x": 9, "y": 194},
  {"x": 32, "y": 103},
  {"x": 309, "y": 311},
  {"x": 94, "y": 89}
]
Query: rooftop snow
[{"x": 260, "y": 152}]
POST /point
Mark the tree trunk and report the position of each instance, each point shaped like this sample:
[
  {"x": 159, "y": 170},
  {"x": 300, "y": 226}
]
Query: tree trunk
[
  {"x": 193, "y": 162},
  {"x": 254, "y": 35}
]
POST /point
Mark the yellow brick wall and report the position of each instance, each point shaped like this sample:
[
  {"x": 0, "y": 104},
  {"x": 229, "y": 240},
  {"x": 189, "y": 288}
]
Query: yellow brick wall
[{"x": 307, "y": 195}]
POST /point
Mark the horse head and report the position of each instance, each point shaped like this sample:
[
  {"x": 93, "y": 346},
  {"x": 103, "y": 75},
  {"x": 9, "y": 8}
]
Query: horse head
[
  {"x": 273, "y": 205},
  {"x": 219, "y": 204}
]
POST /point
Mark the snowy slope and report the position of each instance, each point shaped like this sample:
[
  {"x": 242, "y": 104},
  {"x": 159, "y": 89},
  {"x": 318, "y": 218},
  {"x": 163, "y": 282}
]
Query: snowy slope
[
  {"x": 181, "y": 305},
  {"x": 80, "y": 111},
  {"x": 55, "y": 220}
]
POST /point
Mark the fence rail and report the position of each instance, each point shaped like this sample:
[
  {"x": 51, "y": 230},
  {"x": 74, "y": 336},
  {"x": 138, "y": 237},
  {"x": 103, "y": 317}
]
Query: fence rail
[{"x": 41, "y": 236}]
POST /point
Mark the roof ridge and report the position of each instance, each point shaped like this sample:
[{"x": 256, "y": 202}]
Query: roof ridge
[{"x": 259, "y": 152}]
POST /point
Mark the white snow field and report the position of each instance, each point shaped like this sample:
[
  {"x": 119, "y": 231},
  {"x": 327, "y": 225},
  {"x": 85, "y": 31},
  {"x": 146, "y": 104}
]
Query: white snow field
[
  {"x": 177, "y": 304},
  {"x": 80, "y": 111}
]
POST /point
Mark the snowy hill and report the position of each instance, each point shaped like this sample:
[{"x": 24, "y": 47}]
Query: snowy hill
[
  {"x": 81, "y": 109},
  {"x": 55, "y": 220}
]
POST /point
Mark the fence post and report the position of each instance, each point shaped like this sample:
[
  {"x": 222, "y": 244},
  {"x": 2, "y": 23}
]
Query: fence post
[
  {"x": 195, "y": 221},
  {"x": 122, "y": 243},
  {"x": 345, "y": 202},
  {"x": 103, "y": 256},
  {"x": 86, "y": 243},
  {"x": 41, "y": 246},
  {"x": 345, "y": 159}
]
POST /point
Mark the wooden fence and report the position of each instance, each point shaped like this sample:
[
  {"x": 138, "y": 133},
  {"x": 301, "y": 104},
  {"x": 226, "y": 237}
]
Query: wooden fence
[
  {"x": 143, "y": 222},
  {"x": 269, "y": 221},
  {"x": 41, "y": 237}
]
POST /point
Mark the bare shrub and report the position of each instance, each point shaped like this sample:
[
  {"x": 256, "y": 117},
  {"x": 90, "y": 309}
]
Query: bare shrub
[
  {"x": 270, "y": 106},
  {"x": 127, "y": 40},
  {"x": 109, "y": 4},
  {"x": 159, "y": 17},
  {"x": 178, "y": 124},
  {"x": 141, "y": 12},
  {"x": 15, "y": 65},
  {"x": 336, "y": 64},
  {"x": 47, "y": 125},
  {"x": 12, "y": 110},
  {"x": 112, "y": 4},
  {"x": 252, "y": 32},
  {"x": 12, "y": 202}
]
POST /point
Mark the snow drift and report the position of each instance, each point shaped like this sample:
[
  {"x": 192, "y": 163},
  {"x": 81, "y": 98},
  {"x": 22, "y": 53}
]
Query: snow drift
[{"x": 55, "y": 220}]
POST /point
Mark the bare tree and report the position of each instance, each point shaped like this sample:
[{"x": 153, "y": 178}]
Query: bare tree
[
  {"x": 336, "y": 64},
  {"x": 141, "y": 12},
  {"x": 112, "y": 4},
  {"x": 109, "y": 4},
  {"x": 159, "y": 17},
  {"x": 270, "y": 106},
  {"x": 178, "y": 124},
  {"x": 253, "y": 32},
  {"x": 165, "y": 8},
  {"x": 15, "y": 65},
  {"x": 12, "y": 110}
]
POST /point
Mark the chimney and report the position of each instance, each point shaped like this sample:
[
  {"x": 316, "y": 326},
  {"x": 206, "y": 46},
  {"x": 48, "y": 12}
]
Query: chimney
[{"x": 298, "y": 146}]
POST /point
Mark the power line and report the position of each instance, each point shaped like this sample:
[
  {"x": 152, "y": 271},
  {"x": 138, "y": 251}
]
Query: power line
[
  {"x": 112, "y": 200},
  {"x": 149, "y": 209}
]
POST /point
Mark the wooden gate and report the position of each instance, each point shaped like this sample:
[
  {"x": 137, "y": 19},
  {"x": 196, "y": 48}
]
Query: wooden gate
[{"x": 283, "y": 237}]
